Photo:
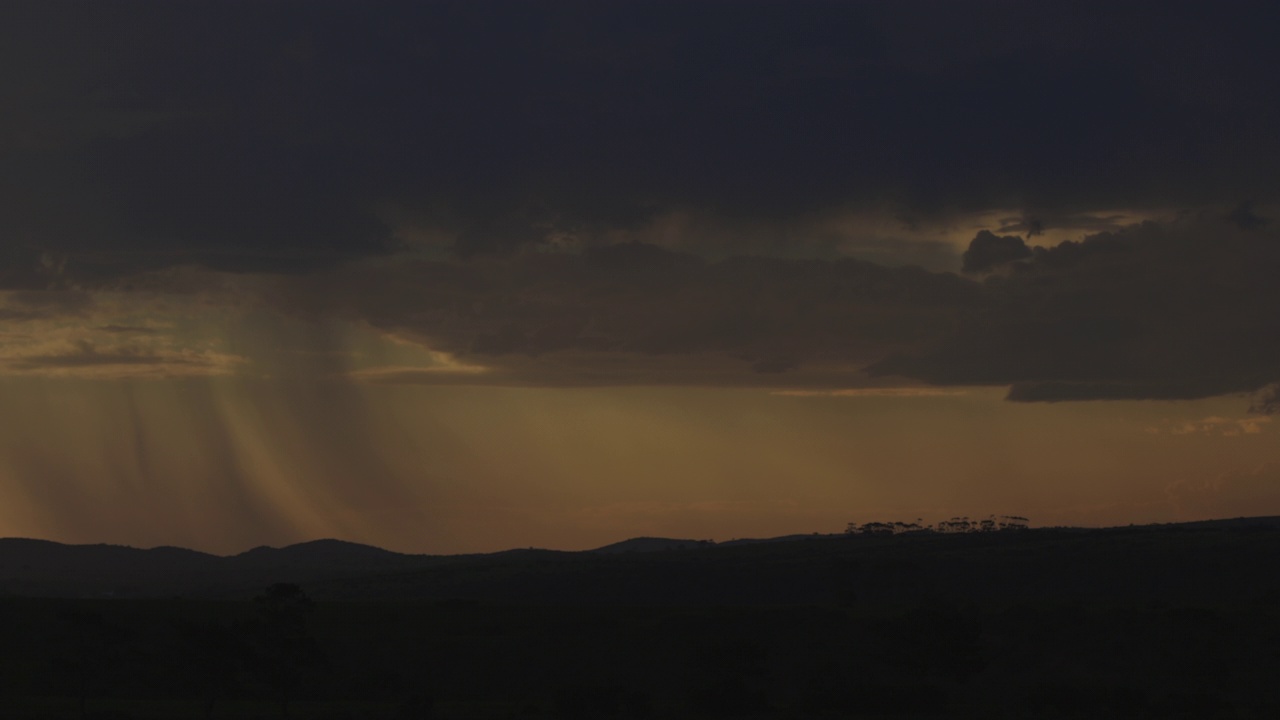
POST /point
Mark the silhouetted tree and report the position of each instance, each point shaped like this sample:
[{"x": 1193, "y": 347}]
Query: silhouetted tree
[
  {"x": 991, "y": 523},
  {"x": 956, "y": 525},
  {"x": 884, "y": 528},
  {"x": 1011, "y": 522}
]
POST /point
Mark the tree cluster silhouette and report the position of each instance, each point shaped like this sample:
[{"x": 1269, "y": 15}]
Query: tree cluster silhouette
[
  {"x": 991, "y": 523},
  {"x": 271, "y": 652}
]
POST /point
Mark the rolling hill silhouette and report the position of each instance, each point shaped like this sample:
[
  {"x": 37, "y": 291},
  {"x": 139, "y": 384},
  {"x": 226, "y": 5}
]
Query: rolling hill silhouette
[{"x": 1205, "y": 560}]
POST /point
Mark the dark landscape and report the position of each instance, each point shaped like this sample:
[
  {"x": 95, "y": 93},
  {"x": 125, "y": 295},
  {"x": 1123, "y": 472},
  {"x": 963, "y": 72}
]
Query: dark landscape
[
  {"x": 284, "y": 283},
  {"x": 1159, "y": 621}
]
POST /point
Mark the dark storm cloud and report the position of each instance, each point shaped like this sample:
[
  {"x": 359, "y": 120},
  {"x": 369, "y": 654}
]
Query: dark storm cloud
[
  {"x": 989, "y": 250},
  {"x": 1245, "y": 218},
  {"x": 265, "y": 136},
  {"x": 1034, "y": 226},
  {"x": 1266, "y": 399},
  {"x": 294, "y": 138},
  {"x": 635, "y": 313},
  {"x": 25, "y": 268},
  {"x": 23, "y": 305},
  {"x": 1176, "y": 310},
  {"x": 69, "y": 302},
  {"x": 127, "y": 329},
  {"x": 85, "y": 355}
]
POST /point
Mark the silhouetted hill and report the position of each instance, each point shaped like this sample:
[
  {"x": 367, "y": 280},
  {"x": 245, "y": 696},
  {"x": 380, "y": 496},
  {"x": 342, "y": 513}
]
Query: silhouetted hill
[
  {"x": 650, "y": 544},
  {"x": 1190, "y": 562},
  {"x": 1198, "y": 561},
  {"x": 319, "y": 555},
  {"x": 783, "y": 538},
  {"x": 39, "y": 567},
  {"x": 44, "y": 568}
]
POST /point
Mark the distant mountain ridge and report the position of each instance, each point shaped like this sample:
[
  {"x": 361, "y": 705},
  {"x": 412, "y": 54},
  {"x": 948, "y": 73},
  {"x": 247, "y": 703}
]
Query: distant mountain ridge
[
  {"x": 1212, "y": 556},
  {"x": 43, "y": 567}
]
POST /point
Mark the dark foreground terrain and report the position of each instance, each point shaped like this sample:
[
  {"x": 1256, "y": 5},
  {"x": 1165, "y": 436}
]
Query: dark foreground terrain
[{"x": 1179, "y": 621}]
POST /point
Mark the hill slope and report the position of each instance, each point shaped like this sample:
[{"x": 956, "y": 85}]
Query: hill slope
[{"x": 1201, "y": 561}]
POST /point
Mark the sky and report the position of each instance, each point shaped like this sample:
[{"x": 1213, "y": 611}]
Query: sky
[{"x": 454, "y": 277}]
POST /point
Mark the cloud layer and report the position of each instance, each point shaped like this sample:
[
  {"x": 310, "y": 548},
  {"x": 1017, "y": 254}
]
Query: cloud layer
[
  {"x": 139, "y": 138},
  {"x": 648, "y": 192},
  {"x": 1177, "y": 310}
]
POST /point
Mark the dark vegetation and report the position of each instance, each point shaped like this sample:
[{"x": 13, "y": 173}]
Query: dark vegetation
[
  {"x": 1175, "y": 621},
  {"x": 991, "y": 523}
]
